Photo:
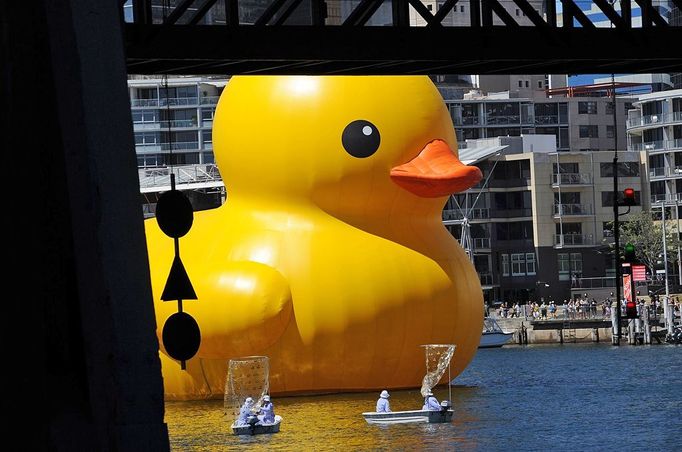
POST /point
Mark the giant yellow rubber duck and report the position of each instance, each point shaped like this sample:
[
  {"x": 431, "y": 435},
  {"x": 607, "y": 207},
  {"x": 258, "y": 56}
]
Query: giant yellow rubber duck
[{"x": 329, "y": 255}]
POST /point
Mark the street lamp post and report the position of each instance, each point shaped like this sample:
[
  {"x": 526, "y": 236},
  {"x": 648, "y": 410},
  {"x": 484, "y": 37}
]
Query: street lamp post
[{"x": 616, "y": 231}]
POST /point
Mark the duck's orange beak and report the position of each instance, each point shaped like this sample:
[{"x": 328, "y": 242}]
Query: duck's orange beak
[{"x": 435, "y": 172}]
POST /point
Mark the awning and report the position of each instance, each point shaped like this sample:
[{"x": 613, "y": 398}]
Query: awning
[{"x": 469, "y": 156}]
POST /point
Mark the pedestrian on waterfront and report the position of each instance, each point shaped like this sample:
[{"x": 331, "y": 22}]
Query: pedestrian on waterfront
[
  {"x": 245, "y": 412},
  {"x": 430, "y": 402},
  {"x": 382, "y": 404},
  {"x": 267, "y": 411},
  {"x": 552, "y": 309},
  {"x": 543, "y": 311}
]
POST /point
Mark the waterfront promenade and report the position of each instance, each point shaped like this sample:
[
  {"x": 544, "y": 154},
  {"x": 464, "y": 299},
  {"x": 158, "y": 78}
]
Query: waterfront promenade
[{"x": 565, "y": 327}]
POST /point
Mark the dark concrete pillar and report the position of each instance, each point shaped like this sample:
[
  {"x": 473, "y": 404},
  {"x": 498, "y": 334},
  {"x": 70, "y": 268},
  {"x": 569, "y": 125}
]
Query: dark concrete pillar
[{"x": 81, "y": 360}]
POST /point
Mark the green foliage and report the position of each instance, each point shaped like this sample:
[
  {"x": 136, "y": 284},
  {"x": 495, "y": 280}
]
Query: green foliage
[{"x": 646, "y": 236}]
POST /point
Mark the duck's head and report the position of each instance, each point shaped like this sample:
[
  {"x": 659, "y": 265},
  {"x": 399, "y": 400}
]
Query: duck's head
[{"x": 340, "y": 141}]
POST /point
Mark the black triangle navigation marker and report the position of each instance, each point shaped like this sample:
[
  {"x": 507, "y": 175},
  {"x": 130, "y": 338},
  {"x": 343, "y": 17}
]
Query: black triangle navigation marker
[{"x": 178, "y": 285}]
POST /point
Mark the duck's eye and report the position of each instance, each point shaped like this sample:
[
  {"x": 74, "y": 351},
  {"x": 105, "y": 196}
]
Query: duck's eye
[{"x": 360, "y": 138}]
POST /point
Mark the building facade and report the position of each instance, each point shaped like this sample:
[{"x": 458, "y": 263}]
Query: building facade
[
  {"x": 540, "y": 218},
  {"x": 539, "y": 228},
  {"x": 654, "y": 126},
  {"x": 172, "y": 123}
]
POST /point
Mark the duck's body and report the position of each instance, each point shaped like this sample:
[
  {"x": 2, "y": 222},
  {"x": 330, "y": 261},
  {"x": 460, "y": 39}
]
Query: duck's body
[{"x": 319, "y": 259}]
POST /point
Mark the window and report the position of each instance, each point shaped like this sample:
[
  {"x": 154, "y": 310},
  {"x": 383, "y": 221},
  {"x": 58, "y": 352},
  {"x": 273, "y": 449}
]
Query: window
[
  {"x": 530, "y": 263},
  {"x": 207, "y": 138},
  {"x": 517, "y": 264},
  {"x": 565, "y": 167},
  {"x": 628, "y": 106},
  {"x": 527, "y": 84},
  {"x": 505, "y": 264},
  {"x": 577, "y": 264},
  {"x": 520, "y": 82},
  {"x": 625, "y": 169},
  {"x": 142, "y": 116},
  {"x": 563, "y": 113},
  {"x": 609, "y": 108},
  {"x": 587, "y": 108},
  {"x": 539, "y": 83},
  {"x": 461, "y": 9},
  {"x": 564, "y": 266},
  {"x": 518, "y": 13},
  {"x": 207, "y": 114},
  {"x": 609, "y": 131},
  {"x": 142, "y": 138},
  {"x": 589, "y": 132}
]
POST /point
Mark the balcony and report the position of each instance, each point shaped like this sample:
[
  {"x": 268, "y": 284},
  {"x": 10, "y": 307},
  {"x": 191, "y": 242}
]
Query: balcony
[
  {"x": 571, "y": 179},
  {"x": 660, "y": 172},
  {"x": 573, "y": 240},
  {"x": 468, "y": 121},
  {"x": 146, "y": 148},
  {"x": 578, "y": 210},
  {"x": 547, "y": 120},
  {"x": 174, "y": 102},
  {"x": 159, "y": 125},
  {"x": 654, "y": 147},
  {"x": 494, "y": 120},
  {"x": 657, "y": 120},
  {"x": 671, "y": 198},
  {"x": 456, "y": 214}
]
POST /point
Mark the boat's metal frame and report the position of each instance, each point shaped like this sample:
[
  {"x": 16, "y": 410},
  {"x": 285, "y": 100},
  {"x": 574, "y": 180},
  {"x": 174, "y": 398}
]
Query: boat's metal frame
[{"x": 405, "y": 417}]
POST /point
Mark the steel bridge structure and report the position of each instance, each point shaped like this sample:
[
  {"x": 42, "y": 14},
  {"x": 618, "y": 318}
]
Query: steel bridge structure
[{"x": 413, "y": 40}]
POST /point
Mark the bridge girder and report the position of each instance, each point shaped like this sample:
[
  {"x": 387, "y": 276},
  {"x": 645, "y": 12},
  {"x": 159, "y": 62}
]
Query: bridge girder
[{"x": 316, "y": 50}]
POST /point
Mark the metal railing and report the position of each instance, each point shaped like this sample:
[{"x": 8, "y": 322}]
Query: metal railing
[
  {"x": 184, "y": 175},
  {"x": 571, "y": 179},
  {"x": 176, "y": 146},
  {"x": 476, "y": 214},
  {"x": 572, "y": 209},
  {"x": 669, "y": 197},
  {"x": 174, "y": 101},
  {"x": 493, "y": 120},
  {"x": 659, "y": 119},
  {"x": 573, "y": 239},
  {"x": 661, "y": 145},
  {"x": 548, "y": 120},
  {"x": 599, "y": 282}
]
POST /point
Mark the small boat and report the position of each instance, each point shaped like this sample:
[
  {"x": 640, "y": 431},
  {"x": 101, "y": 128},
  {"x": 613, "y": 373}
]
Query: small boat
[
  {"x": 438, "y": 358},
  {"x": 254, "y": 428},
  {"x": 406, "y": 417},
  {"x": 249, "y": 378},
  {"x": 493, "y": 336}
]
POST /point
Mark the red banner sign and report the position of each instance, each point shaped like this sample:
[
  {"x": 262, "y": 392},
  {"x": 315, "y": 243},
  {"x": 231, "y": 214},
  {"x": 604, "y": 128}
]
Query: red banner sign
[
  {"x": 639, "y": 272},
  {"x": 627, "y": 288}
]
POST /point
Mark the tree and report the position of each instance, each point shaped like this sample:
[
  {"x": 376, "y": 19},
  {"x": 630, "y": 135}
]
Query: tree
[{"x": 647, "y": 236}]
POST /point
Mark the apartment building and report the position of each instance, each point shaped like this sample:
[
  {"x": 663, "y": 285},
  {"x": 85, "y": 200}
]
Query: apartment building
[
  {"x": 539, "y": 218},
  {"x": 654, "y": 126},
  {"x": 172, "y": 123},
  {"x": 578, "y": 123}
]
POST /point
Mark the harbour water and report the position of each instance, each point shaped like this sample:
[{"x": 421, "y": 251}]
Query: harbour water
[{"x": 532, "y": 398}]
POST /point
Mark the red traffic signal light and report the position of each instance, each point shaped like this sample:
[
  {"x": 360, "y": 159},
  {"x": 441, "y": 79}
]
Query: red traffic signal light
[
  {"x": 631, "y": 310},
  {"x": 629, "y": 197}
]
